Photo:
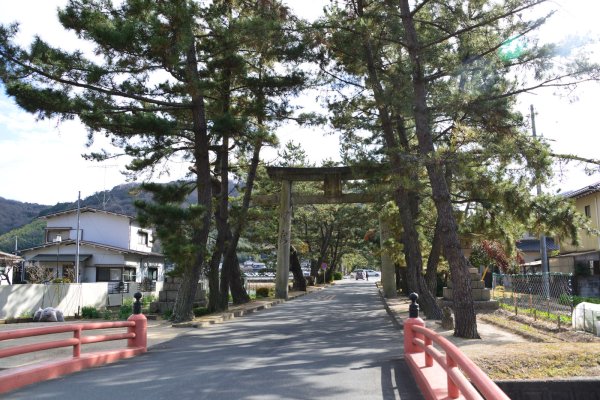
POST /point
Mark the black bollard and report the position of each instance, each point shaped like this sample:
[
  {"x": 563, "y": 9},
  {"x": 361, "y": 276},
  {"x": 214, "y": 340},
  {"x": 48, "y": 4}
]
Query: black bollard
[
  {"x": 137, "y": 306},
  {"x": 413, "y": 309}
]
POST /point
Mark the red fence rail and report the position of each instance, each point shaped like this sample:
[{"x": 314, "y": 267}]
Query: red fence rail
[
  {"x": 448, "y": 375},
  {"x": 14, "y": 378}
]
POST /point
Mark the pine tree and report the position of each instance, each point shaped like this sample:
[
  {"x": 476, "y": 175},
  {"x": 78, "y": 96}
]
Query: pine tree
[
  {"x": 160, "y": 84},
  {"x": 435, "y": 88}
]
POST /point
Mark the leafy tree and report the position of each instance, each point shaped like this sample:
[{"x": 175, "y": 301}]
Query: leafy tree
[
  {"x": 176, "y": 80},
  {"x": 431, "y": 85}
]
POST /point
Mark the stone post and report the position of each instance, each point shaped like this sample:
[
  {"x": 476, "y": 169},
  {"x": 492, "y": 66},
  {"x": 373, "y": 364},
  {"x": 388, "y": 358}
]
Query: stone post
[{"x": 283, "y": 245}]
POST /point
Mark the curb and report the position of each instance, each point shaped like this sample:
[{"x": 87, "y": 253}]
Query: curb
[
  {"x": 396, "y": 321},
  {"x": 209, "y": 320}
]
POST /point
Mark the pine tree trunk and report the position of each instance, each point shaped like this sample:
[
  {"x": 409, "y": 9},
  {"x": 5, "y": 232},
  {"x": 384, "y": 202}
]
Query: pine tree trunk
[
  {"x": 299, "y": 279},
  {"x": 464, "y": 312},
  {"x": 433, "y": 260},
  {"x": 184, "y": 303},
  {"x": 401, "y": 283},
  {"x": 406, "y": 202},
  {"x": 236, "y": 284}
]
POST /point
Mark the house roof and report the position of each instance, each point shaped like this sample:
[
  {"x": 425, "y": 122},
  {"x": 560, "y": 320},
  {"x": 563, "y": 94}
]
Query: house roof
[
  {"x": 533, "y": 245},
  {"x": 9, "y": 257},
  {"x": 94, "y": 245},
  {"x": 84, "y": 210},
  {"x": 58, "y": 257},
  {"x": 584, "y": 191}
]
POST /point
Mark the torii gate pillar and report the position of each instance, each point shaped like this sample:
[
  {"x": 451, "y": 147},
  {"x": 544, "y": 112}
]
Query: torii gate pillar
[
  {"x": 283, "y": 244},
  {"x": 388, "y": 271}
]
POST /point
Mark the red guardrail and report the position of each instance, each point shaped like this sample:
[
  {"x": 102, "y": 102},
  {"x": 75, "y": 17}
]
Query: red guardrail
[
  {"x": 17, "y": 377},
  {"x": 441, "y": 376}
]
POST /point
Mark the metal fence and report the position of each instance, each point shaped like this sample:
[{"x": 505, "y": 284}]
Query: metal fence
[
  {"x": 547, "y": 296},
  {"x": 118, "y": 287}
]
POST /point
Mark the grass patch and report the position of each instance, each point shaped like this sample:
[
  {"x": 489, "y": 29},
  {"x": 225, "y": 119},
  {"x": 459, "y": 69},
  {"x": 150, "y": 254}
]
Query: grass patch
[
  {"x": 542, "y": 361},
  {"x": 543, "y": 315}
]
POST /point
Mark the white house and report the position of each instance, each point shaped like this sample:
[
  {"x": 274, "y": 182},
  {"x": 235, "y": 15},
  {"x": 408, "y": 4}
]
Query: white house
[{"x": 112, "y": 248}]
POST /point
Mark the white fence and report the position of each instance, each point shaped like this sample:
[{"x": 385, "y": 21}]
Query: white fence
[{"x": 24, "y": 300}]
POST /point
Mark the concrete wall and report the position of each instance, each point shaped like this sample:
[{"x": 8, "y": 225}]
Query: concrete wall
[{"x": 18, "y": 300}]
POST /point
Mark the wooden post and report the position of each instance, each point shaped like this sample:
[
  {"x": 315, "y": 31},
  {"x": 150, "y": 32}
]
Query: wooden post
[
  {"x": 388, "y": 272},
  {"x": 283, "y": 245}
]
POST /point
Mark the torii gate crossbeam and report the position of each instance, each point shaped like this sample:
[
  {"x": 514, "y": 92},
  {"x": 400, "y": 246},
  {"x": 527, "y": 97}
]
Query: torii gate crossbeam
[{"x": 332, "y": 178}]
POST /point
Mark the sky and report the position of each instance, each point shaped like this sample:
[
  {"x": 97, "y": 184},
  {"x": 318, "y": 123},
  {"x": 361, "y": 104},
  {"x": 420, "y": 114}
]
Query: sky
[{"x": 41, "y": 162}]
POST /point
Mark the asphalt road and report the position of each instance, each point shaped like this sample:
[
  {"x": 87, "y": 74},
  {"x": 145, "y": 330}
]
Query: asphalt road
[{"x": 338, "y": 343}]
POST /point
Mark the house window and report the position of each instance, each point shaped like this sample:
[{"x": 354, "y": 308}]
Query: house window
[
  {"x": 153, "y": 274},
  {"x": 129, "y": 274},
  {"x": 588, "y": 211},
  {"x": 143, "y": 238},
  {"x": 108, "y": 274}
]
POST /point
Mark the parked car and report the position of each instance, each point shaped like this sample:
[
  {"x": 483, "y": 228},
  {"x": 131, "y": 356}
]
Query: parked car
[
  {"x": 359, "y": 274},
  {"x": 373, "y": 273}
]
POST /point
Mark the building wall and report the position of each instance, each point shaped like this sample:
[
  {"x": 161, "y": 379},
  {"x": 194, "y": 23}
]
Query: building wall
[
  {"x": 562, "y": 264},
  {"x": 529, "y": 256},
  {"x": 135, "y": 230},
  {"x": 587, "y": 242},
  {"x": 99, "y": 227}
]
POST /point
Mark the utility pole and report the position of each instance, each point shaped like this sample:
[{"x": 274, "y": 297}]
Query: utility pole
[
  {"x": 77, "y": 240},
  {"x": 543, "y": 249}
]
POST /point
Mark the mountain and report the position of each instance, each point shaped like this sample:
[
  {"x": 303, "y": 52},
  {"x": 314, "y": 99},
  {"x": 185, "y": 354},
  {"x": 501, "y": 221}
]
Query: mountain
[
  {"x": 14, "y": 214},
  {"x": 20, "y": 219}
]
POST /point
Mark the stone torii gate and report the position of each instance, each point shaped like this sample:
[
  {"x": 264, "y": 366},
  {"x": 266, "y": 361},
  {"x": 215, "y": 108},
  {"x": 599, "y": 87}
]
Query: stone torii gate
[{"x": 332, "y": 178}]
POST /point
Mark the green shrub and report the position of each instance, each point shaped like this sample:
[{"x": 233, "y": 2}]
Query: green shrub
[
  {"x": 578, "y": 299},
  {"x": 262, "y": 291},
  {"x": 337, "y": 276},
  {"x": 310, "y": 280},
  {"x": 89, "y": 312},
  {"x": 200, "y": 311},
  {"x": 167, "y": 314},
  {"x": 566, "y": 300},
  {"x": 108, "y": 315},
  {"x": 146, "y": 300},
  {"x": 61, "y": 280},
  {"x": 126, "y": 309}
]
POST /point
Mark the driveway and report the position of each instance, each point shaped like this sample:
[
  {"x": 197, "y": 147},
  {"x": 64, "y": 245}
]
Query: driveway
[{"x": 338, "y": 343}]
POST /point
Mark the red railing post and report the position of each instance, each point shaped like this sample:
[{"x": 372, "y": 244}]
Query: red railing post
[
  {"x": 413, "y": 319},
  {"x": 77, "y": 347},
  {"x": 141, "y": 325},
  {"x": 453, "y": 390}
]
